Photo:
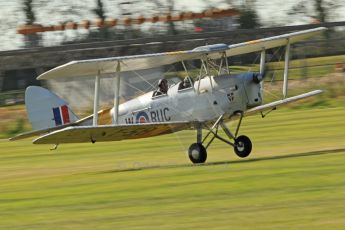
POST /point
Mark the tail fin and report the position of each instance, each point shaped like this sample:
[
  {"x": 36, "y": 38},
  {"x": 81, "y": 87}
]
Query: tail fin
[{"x": 46, "y": 110}]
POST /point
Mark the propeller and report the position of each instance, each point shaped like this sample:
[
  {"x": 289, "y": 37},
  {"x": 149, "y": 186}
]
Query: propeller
[{"x": 259, "y": 77}]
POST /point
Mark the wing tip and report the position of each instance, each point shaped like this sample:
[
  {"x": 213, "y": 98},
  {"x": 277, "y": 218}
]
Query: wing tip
[{"x": 50, "y": 74}]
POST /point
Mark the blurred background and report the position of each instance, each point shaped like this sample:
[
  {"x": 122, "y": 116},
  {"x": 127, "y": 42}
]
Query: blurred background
[{"x": 38, "y": 35}]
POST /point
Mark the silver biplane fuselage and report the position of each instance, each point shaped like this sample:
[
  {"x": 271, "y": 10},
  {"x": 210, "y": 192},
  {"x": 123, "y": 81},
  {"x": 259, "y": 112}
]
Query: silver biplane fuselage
[{"x": 215, "y": 96}]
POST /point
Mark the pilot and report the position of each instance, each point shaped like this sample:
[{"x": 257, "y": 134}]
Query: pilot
[
  {"x": 163, "y": 87},
  {"x": 186, "y": 83}
]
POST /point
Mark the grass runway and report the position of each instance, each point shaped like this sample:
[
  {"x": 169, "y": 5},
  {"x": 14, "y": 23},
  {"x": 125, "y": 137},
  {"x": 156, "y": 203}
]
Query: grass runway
[{"x": 294, "y": 179}]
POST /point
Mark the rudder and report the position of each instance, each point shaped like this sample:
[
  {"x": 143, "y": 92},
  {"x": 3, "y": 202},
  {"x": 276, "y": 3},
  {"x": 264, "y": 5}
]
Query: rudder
[{"x": 46, "y": 110}]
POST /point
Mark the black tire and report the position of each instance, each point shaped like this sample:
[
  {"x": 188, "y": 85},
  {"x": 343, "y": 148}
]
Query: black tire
[
  {"x": 197, "y": 153},
  {"x": 243, "y": 146}
]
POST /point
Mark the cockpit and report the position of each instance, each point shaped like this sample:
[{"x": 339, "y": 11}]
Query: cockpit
[
  {"x": 162, "y": 88},
  {"x": 186, "y": 83}
]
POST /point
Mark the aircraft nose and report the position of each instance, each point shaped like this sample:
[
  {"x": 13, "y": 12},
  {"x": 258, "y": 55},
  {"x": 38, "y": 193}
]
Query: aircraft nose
[{"x": 257, "y": 78}]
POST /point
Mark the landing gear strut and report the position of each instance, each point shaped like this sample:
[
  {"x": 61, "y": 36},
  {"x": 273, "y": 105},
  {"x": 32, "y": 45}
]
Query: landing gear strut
[
  {"x": 197, "y": 152},
  {"x": 242, "y": 144}
]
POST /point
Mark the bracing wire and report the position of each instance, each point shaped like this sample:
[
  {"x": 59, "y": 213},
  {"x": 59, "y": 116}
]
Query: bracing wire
[{"x": 274, "y": 73}]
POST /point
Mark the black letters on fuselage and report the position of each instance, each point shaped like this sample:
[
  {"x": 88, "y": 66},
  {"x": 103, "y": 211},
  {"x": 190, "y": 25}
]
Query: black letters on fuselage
[
  {"x": 153, "y": 116},
  {"x": 129, "y": 120},
  {"x": 167, "y": 118},
  {"x": 160, "y": 115}
]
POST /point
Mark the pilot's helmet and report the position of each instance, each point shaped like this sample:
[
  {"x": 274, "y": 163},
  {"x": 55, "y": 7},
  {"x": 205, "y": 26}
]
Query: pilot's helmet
[{"x": 162, "y": 82}]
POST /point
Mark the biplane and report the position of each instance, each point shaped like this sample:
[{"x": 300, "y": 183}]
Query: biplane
[{"x": 205, "y": 103}]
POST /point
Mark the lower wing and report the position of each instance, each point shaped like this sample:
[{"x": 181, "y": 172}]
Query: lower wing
[
  {"x": 275, "y": 104},
  {"x": 81, "y": 134}
]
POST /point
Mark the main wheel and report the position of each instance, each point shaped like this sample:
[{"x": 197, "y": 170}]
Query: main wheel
[
  {"x": 197, "y": 153},
  {"x": 243, "y": 146}
]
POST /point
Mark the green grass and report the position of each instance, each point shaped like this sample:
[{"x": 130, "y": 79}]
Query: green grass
[{"x": 294, "y": 179}]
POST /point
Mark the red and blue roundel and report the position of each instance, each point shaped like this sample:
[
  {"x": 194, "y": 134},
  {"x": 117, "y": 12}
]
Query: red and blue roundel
[{"x": 142, "y": 117}]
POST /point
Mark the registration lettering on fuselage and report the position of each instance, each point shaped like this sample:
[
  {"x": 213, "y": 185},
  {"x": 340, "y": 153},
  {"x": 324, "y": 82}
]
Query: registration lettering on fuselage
[{"x": 159, "y": 115}]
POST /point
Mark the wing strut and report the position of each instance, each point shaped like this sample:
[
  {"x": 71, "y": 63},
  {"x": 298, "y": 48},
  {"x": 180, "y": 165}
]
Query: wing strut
[
  {"x": 96, "y": 100},
  {"x": 262, "y": 70},
  {"x": 227, "y": 64},
  {"x": 117, "y": 93},
  {"x": 286, "y": 68},
  {"x": 262, "y": 61},
  {"x": 185, "y": 68}
]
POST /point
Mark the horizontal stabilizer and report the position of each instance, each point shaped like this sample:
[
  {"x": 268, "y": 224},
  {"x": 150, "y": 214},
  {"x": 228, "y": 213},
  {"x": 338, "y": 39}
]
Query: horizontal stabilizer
[
  {"x": 82, "y": 134},
  {"x": 36, "y": 132},
  {"x": 282, "y": 102}
]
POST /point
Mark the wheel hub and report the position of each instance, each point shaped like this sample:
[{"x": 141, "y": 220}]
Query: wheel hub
[
  {"x": 195, "y": 153},
  {"x": 240, "y": 146}
]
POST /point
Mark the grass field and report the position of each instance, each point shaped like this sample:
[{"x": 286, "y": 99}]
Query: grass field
[{"x": 294, "y": 179}]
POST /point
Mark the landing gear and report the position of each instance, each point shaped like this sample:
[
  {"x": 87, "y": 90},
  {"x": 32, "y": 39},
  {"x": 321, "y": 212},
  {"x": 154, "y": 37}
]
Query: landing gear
[
  {"x": 242, "y": 145},
  {"x": 197, "y": 153}
]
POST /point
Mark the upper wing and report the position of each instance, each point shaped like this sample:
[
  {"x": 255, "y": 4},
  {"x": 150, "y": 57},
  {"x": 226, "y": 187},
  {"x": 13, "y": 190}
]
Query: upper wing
[
  {"x": 80, "y": 134},
  {"x": 276, "y": 104},
  {"x": 103, "y": 66},
  {"x": 271, "y": 42},
  {"x": 91, "y": 67}
]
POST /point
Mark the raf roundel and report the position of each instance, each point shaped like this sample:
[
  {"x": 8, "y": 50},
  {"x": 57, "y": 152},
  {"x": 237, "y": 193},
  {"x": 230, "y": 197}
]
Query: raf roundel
[{"x": 142, "y": 117}]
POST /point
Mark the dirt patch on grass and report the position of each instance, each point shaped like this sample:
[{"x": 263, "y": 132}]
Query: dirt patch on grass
[
  {"x": 13, "y": 120},
  {"x": 8, "y": 113}
]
